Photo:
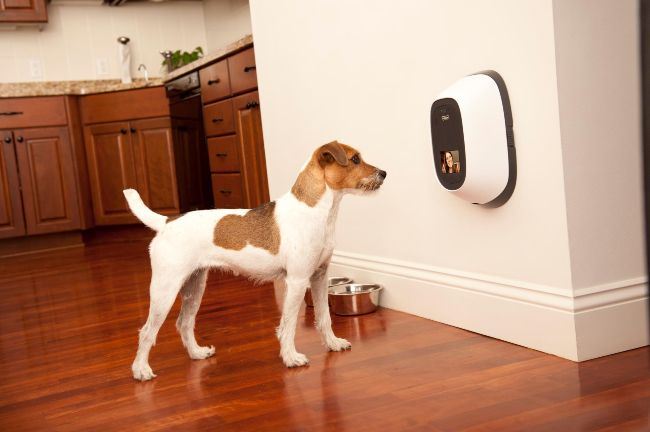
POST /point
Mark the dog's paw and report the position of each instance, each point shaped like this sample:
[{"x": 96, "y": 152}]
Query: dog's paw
[
  {"x": 295, "y": 359},
  {"x": 201, "y": 353},
  {"x": 338, "y": 344},
  {"x": 142, "y": 372}
]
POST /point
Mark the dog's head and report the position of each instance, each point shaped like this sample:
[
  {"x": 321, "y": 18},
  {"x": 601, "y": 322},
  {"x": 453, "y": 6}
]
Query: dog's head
[
  {"x": 345, "y": 170},
  {"x": 339, "y": 167}
]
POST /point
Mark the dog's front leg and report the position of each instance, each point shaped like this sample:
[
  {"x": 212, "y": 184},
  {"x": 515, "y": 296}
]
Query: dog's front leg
[
  {"x": 286, "y": 331},
  {"x": 322, "y": 311}
]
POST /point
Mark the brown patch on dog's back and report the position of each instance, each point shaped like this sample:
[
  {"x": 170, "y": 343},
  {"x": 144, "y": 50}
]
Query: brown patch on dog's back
[{"x": 257, "y": 228}]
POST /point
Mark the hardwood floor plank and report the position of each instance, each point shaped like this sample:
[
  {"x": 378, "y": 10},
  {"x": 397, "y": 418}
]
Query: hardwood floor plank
[{"x": 69, "y": 325}]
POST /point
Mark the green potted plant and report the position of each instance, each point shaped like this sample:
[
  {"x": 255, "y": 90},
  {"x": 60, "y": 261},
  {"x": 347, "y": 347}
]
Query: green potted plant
[{"x": 175, "y": 59}]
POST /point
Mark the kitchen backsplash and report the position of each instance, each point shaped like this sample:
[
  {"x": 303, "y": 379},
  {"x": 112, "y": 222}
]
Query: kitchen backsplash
[{"x": 80, "y": 42}]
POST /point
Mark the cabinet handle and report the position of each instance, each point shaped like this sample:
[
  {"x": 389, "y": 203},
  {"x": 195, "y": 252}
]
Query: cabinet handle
[
  {"x": 214, "y": 81},
  {"x": 249, "y": 68},
  {"x": 252, "y": 104},
  {"x": 19, "y": 139},
  {"x": 133, "y": 130},
  {"x": 221, "y": 154},
  {"x": 217, "y": 120},
  {"x": 11, "y": 113},
  {"x": 7, "y": 139},
  {"x": 225, "y": 191},
  {"x": 123, "y": 131}
]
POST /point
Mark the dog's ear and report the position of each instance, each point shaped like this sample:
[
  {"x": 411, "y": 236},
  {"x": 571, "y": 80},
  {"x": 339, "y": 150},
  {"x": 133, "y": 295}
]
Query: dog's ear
[{"x": 331, "y": 152}]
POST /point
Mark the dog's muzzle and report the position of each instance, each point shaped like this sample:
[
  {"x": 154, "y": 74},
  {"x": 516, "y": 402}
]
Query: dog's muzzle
[{"x": 373, "y": 182}]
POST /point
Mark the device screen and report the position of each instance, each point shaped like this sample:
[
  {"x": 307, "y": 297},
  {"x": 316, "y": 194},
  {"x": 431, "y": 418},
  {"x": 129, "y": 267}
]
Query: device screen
[{"x": 450, "y": 161}]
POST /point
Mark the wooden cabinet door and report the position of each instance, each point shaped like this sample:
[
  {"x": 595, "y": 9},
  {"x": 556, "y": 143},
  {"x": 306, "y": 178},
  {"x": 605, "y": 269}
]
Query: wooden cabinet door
[
  {"x": 47, "y": 177},
  {"x": 11, "y": 213},
  {"x": 111, "y": 169},
  {"x": 16, "y": 11},
  {"x": 248, "y": 123},
  {"x": 153, "y": 149}
]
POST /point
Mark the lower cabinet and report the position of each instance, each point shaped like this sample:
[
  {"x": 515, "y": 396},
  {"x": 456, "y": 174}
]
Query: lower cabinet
[
  {"x": 148, "y": 155},
  {"x": 37, "y": 179},
  {"x": 12, "y": 221}
]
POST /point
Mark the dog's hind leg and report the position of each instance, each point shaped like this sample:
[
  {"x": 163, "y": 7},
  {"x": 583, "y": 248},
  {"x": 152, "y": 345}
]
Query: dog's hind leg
[
  {"x": 192, "y": 293},
  {"x": 286, "y": 331},
  {"x": 163, "y": 291},
  {"x": 322, "y": 312}
]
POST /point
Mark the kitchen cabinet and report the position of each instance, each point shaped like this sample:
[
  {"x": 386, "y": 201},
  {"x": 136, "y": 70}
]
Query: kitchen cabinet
[
  {"x": 12, "y": 223},
  {"x": 233, "y": 126},
  {"x": 39, "y": 170},
  {"x": 23, "y": 11},
  {"x": 47, "y": 179},
  {"x": 138, "y": 154},
  {"x": 251, "y": 144},
  {"x": 143, "y": 148}
]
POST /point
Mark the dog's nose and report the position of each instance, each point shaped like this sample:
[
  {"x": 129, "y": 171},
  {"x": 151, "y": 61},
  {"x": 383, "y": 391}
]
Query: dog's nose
[{"x": 382, "y": 174}]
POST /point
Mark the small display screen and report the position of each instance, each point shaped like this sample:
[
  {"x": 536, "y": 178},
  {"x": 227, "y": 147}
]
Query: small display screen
[{"x": 450, "y": 162}]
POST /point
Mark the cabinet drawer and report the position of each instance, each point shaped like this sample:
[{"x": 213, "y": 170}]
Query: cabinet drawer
[
  {"x": 243, "y": 73},
  {"x": 223, "y": 154},
  {"x": 31, "y": 112},
  {"x": 227, "y": 190},
  {"x": 124, "y": 105},
  {"x": 215, "y": 82},
  {"x": 218, "y": 118}
]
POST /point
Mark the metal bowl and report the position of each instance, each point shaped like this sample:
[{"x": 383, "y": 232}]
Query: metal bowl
[
  {"x": 354, "y": 299},
  {"x": 333, "y": 281}
]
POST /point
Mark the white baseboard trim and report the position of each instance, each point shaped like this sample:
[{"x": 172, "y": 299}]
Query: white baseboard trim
[{"x": 567, "y": 323}]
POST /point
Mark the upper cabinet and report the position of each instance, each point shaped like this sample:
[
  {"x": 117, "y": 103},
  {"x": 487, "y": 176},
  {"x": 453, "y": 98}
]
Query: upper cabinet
[{"x": 23, "y": 11}]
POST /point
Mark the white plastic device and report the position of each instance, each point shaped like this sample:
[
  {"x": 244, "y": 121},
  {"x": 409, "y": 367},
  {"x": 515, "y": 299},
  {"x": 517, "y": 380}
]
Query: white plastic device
[{"x": 473, "y": 142}]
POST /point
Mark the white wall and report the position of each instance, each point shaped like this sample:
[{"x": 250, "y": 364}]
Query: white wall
[
  {"x": 76, "y": 36},
  {"x": 600, "y": 99},
  {"x": 598, "y": 70},
  {"x": 366, "y": 74},
  {"x": 226, "y": 21}
]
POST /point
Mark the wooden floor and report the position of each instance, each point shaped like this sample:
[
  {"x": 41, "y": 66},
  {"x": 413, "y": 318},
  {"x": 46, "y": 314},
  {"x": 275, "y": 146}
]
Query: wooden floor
[{"x": 68, "y": 334}]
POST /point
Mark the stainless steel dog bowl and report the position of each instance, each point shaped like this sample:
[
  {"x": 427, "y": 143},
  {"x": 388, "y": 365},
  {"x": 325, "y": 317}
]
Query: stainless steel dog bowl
[
  {"x": 333, "y": 281},
  {"x": 354, "y": 299}
]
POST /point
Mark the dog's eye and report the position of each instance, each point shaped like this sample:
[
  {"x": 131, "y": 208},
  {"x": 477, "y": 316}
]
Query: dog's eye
[{"x": 356, "y": 159}]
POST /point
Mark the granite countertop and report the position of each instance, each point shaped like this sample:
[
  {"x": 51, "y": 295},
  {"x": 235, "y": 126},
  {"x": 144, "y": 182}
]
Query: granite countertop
[{"x": 59, "y": 88}]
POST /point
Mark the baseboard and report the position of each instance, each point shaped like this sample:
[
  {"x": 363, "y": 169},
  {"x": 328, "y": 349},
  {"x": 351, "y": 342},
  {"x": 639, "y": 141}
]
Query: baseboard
[
  {"x": 554, "y": 320},
  {"x": 25, "y": 245}
]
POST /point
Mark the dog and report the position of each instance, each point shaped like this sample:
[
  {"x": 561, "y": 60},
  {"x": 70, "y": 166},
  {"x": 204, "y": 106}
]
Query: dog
[{"x": 291, "y": 239}]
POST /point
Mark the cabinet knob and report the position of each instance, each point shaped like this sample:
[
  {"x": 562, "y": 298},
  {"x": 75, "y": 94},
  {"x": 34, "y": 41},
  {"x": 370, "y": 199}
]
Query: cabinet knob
[
  {"x": 19, "y": 139},
  {"x": 252, "y": 104},
  {"x": 7, "y": 139},
  {"x": 123, "y": 131},
  {"x": 225, "y": 191},
  {"x": 133, "y": 130},
  {"x": 221, "y": 154},
  {"x": 249, "y": 68},
  {"x": 217, "y": 120},
  {"x": 214, "y": 81}
]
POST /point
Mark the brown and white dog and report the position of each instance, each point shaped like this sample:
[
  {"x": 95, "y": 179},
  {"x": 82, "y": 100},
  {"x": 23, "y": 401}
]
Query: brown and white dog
[{"x": 291, "y": 239}]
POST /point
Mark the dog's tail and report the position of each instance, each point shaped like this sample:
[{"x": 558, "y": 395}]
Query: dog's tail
[{"x": 148, "y": 217}]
